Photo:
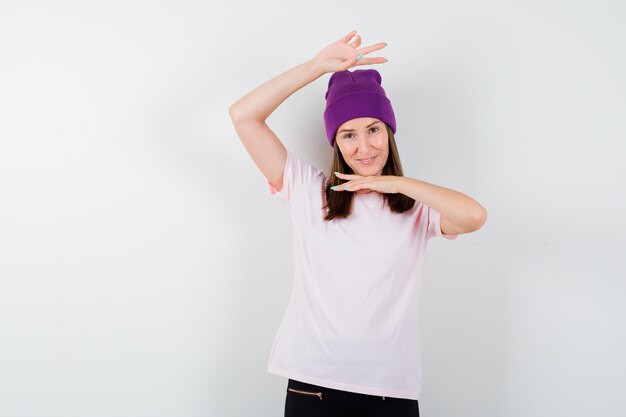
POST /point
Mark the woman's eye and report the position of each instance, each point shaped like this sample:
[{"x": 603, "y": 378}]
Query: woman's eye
[{"x": 348, "y": 135}]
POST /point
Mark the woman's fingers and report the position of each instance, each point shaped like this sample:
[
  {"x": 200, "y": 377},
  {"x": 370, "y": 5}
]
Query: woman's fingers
[
  {"x": 341, "y": 174},
  {"x": 352, "y": 182},
  {"x": 338, "y": 57},
  {"x": 349, "y": 36},
  {"x": 368, "y": 61},
  {"x": 371, "y": 48},
  {"x": 357, "y": 42},
  {"x": 372, "y": 60},
  {"x": 342, "y": 187}
]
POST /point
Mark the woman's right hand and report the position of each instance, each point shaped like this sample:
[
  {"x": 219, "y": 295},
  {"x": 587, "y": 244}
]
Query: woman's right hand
[{"x": 342, "y": 55}]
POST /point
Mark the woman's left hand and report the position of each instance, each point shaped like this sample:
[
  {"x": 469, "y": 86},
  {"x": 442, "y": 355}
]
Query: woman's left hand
[{"x": 380, "y": 183}]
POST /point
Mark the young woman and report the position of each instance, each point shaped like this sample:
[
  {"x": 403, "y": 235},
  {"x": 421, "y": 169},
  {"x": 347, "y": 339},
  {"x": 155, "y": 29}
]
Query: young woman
[{"x": 348, "y": 342}]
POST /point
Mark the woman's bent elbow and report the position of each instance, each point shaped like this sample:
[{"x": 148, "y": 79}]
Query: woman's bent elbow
[{"x": 480, "y": 218}]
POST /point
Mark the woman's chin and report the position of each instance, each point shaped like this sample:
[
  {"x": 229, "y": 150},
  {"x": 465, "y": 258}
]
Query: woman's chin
[{"x": 368, "y": 172}]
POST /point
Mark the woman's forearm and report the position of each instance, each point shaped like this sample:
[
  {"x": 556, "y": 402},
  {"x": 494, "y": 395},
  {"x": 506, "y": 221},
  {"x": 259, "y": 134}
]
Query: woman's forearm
[
  {"x": 259, "y": 103},
  {"x": 459, "y": 208}
]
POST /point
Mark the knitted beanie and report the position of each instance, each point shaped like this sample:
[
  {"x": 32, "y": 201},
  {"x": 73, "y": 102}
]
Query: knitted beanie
[{"x": 356, "y": 94}]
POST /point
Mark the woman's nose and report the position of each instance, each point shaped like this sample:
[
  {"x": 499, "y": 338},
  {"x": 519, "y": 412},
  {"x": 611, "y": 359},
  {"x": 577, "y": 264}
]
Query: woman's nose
[{"x": 364, "y": 144}]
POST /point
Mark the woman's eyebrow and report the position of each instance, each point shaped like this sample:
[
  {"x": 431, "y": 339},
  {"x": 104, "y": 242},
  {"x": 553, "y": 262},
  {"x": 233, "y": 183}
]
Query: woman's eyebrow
[{"x": 350, "y": 130}]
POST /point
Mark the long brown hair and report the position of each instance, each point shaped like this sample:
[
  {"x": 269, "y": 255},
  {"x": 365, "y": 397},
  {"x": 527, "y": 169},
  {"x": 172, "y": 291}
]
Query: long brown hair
[{"x": 338, "y": 203}]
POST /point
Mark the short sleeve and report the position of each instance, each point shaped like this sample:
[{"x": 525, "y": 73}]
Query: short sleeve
[
  {"x": 297, "y": 175},
  {"x": 434, "y": 225}
]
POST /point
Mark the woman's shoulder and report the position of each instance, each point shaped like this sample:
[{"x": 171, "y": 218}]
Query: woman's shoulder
[{"x": 303, "y": 163}]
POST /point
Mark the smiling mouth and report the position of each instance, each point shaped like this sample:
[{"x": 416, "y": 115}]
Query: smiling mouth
[{"x": 367, "y": 161}]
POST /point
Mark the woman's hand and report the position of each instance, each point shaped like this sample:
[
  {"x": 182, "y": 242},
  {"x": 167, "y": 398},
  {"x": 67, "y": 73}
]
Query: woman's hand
[
  {"x": 380, "y": 183},
  {"x": 341, "y": 55}
]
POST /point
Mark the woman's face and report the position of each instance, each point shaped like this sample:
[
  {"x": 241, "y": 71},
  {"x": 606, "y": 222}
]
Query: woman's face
[{"x": 362, "y": 139}]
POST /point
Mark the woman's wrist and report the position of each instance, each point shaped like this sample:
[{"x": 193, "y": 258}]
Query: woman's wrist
[{"x": 316, "y": 69}]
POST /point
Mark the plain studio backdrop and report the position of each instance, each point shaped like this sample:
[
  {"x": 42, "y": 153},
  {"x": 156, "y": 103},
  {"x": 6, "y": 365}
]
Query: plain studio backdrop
[{"x": 144, "y": 267}]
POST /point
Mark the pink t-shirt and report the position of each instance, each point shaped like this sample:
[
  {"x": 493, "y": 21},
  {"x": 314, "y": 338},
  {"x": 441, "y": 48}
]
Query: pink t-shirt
[{"x": 351, "y": 322}]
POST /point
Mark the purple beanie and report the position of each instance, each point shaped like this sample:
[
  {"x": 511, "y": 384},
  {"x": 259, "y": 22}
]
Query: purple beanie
[{"x": 356, "y": 94}]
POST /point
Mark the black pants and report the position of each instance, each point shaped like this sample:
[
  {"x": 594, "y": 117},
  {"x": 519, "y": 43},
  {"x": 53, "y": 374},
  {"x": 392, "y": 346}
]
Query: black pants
[{"x": 308, "y": 400}]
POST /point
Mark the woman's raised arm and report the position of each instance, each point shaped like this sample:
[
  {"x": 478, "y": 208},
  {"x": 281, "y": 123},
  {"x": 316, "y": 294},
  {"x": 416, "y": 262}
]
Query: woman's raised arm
[{"x": 250, "y": 112}]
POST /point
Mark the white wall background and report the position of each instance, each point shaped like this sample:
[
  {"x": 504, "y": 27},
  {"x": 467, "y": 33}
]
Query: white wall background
[{"x": 144, "y": 267}]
